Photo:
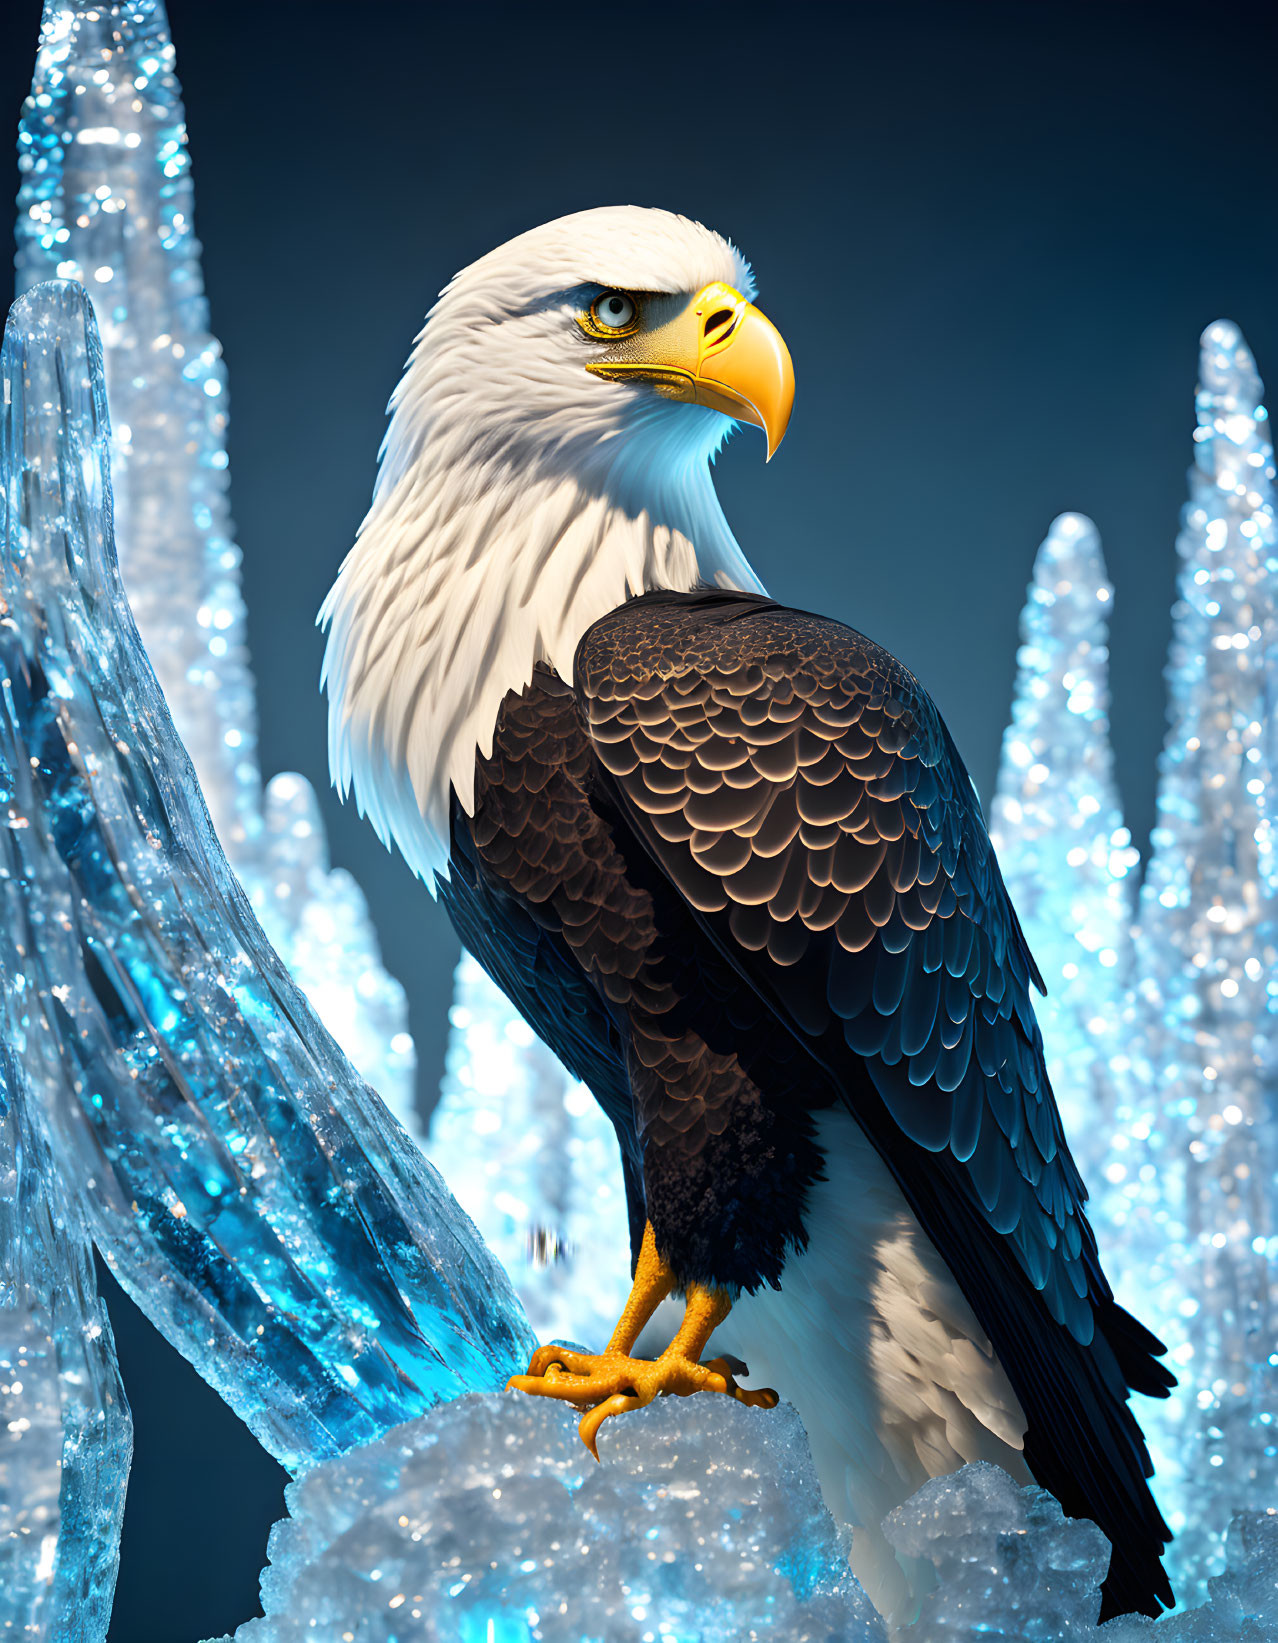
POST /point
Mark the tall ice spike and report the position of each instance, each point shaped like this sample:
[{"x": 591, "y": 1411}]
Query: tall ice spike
[
  {"x": 107, "y": 199},
  {"x": 1207, "y": 952},
  {"x": 249, "y": 1190},
  {"x": 1057, "y": 822}
]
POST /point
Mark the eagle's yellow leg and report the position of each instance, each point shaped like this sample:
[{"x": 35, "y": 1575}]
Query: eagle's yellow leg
[{"x": 610, "y": 1382}]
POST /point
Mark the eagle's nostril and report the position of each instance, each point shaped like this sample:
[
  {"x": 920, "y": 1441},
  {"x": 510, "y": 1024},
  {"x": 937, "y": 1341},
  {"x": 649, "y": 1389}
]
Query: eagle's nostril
[{"x": 721, "y": 317}]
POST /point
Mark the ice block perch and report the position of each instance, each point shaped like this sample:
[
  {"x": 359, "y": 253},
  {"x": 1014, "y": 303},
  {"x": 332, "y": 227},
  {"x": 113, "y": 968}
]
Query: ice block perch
[{"x": 251, "y": 1193}]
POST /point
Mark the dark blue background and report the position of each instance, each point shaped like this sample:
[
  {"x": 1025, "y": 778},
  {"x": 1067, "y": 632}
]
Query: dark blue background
[{"x": 990, "y": 234}]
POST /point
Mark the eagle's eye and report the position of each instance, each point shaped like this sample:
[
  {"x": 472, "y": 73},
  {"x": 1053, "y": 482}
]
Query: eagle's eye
[{"x": 613, "y": 314}]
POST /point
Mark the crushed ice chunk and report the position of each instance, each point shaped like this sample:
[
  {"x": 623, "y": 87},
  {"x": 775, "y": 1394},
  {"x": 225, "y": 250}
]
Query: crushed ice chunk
[
  {"x": 1008, "y": 1563},
  {"x": 487, "y": 1519}
]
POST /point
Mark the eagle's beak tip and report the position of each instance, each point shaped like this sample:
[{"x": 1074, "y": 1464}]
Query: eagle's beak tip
[{"x": 750, "y": 375}]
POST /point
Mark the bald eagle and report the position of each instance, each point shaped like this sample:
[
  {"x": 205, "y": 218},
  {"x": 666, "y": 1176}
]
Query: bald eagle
[{"x": 725, "y": 858}]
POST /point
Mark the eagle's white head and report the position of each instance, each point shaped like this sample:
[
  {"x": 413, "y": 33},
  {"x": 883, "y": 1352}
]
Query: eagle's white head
[{"x": 548, "y": 457}]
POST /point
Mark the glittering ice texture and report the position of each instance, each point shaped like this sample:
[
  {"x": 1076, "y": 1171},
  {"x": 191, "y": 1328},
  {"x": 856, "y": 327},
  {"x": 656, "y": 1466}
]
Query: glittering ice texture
[
  {"x": 316, "y": 918},
  {"x": 1206, "y": 956},
  {"x": 1008, "y": 1563},
  {"x": 65, "y": 1433},
  {"x": 487, "y": 1522},
  {"x": 1057, "y": 824},
  {"x": 1165, "y": 1057},
  {"x": 1010, "y": 1566},
  {"x": 249, "y": 1190},
  {"x": 534, "y": 1163},
  {"x": 107, "y": 199}
]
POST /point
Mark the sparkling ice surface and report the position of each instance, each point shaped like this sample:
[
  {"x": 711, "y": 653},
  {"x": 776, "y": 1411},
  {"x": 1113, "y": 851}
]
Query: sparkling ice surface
[
  {"x": 1206, "y": 953},
  {"x": 1010, "y": 1566},
  {"x": 65, "y": 1433},
  {"x": 487, "y": 1522},
  {"x": 1161, "y": 1038},
  {"x": 1057, "y": 824},
  {"x": 534, "y": 1163},
  {"x": 251, "y": 1192},
  {"x": 107, "y": 199}
]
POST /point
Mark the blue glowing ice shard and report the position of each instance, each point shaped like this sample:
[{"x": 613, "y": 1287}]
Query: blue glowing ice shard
[
  {"x": 65, "y": 1433},
  {"x": 1205, "y": 1214},
  {"x": 534, "y": 1162},
  {"x": 487, "y": 1522},
  {"x": 107, "y": 199},
  {"x": 1057, "y": 824},
  {"x": 253, "y": 1195}
]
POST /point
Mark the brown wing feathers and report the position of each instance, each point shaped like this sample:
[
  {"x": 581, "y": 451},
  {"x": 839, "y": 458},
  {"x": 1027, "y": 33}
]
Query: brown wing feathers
[{"x": 799, "y": 789}]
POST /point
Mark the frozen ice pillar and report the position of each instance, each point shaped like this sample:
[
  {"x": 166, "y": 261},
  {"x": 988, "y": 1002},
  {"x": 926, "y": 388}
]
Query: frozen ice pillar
[
  {"x": 107, "y": 198},
  {"x": 65, "y": 1434},
  {"x": 1206, "y": 967},
  {"x": 251, "y": 1193},
  {"x": 1057, "y": 825}
]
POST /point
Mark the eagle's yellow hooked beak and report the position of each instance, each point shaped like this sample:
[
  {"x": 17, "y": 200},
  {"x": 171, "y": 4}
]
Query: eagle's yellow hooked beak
[{"x": 716, "y": 350}]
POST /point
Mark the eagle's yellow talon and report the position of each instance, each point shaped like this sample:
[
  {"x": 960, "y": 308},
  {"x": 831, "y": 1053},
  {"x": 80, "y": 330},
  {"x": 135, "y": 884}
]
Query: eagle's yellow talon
[
  {"x": 618, "y": 1404},
  {"x": 612, "y": 1382}
]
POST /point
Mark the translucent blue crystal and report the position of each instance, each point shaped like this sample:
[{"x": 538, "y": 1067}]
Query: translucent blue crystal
[
  {"x": 65, "y": 1433},
  {"x": 107, "y": 198},
  {"x": 252, "y": 1194}
]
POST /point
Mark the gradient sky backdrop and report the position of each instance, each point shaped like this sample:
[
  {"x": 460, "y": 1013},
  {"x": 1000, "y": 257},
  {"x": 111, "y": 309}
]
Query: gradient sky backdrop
[{"x": 991, "y": 235}]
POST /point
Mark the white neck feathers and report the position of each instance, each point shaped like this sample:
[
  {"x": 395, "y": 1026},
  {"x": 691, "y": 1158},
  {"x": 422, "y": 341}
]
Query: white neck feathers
[{"x": 466, "y": 575}]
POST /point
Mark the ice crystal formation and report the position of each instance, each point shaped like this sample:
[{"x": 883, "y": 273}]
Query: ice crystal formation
[
  {"x": 247, "y": 1187},
  {"x": 65, "y": 1432},
  {"x": 1161, "y": 1037},
  {"x": 1056, "y": 820},
  {"x": 487, "y": 1520},
  {"x": 1009, "y": 1565},
  {"x": 532, "y": 1159},
  {"x": 107, "y": 199},
  {"x": 1206, "y": 955}
]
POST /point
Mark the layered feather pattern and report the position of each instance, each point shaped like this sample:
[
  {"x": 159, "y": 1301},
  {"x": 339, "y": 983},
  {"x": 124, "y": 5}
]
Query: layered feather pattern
[{"x": 799, "y": 788}]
